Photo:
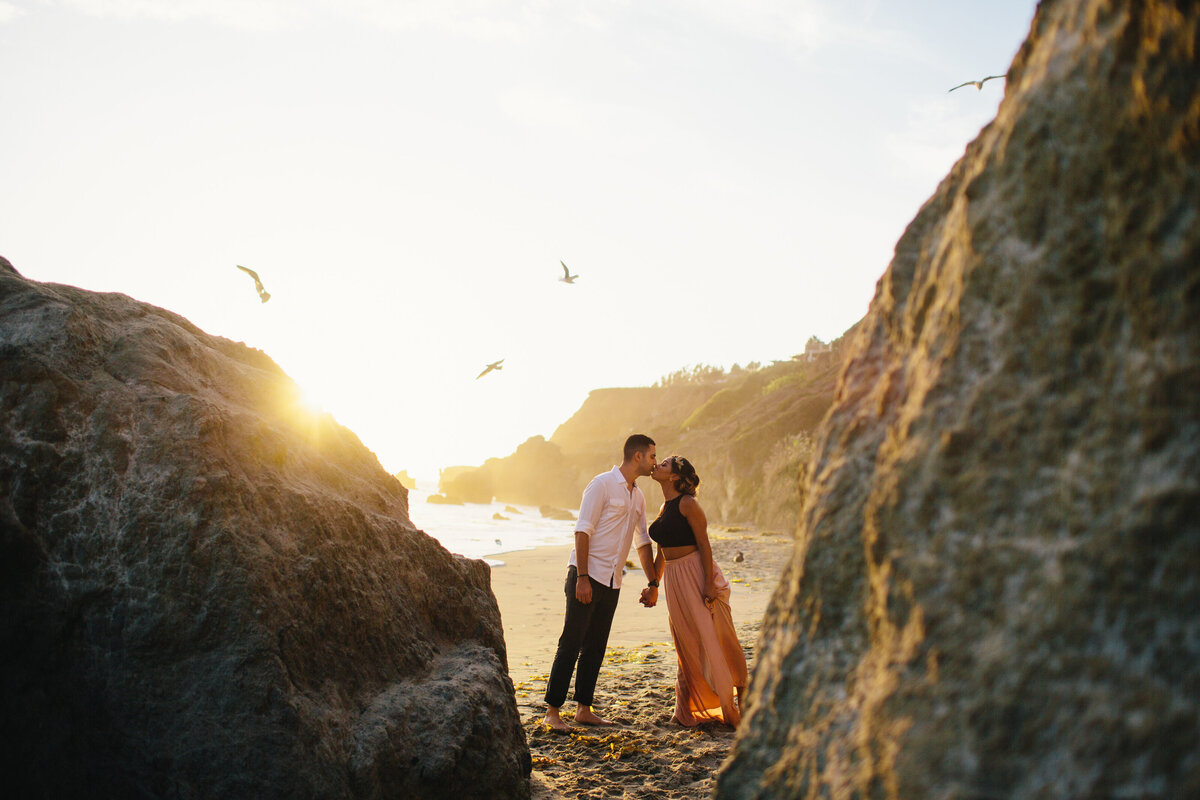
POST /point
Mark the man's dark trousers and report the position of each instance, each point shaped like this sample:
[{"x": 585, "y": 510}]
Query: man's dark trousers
[{"x": 584, "y": 638}]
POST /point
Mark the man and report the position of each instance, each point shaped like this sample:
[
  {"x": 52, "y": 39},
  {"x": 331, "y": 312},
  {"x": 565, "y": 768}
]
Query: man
[{"x": 612, "y": 511}]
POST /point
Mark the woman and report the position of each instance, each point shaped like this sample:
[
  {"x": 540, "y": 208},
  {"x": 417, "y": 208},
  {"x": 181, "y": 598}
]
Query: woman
[{"x": 712, "y": 667}]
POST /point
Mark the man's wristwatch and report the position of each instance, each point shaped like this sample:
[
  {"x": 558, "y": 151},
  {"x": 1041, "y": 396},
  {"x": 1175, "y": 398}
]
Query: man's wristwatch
[{"x": 653, "y": 583}]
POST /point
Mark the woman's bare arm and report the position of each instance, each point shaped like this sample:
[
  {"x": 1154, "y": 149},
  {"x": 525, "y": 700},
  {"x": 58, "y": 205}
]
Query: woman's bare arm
[{"x": 694, "y": 515}]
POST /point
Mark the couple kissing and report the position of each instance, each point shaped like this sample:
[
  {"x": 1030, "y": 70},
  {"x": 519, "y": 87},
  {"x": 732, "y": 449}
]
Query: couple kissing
[{"x": 612, "y": 515}]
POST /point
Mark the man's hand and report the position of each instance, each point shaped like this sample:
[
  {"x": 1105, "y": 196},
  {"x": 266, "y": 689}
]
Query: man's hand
[
  {"x": 583, "y": 590},
  {"x": 649, "y": 597}
]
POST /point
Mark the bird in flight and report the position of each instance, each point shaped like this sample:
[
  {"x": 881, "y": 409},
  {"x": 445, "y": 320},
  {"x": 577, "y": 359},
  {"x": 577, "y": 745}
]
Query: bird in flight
[
  {"x": 567, "y": 276},
  {"x": 263, "y": 294},
  {"x": 979, "y": 83},
  {"x": 489, "y": 368}
]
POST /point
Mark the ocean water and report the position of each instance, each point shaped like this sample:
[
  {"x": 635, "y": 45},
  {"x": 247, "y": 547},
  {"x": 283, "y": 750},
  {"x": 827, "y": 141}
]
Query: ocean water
[{"x": 471, "y": 530}]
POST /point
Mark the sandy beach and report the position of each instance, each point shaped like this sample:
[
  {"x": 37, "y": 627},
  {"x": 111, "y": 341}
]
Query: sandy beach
[{"x": 643, "y": 755}]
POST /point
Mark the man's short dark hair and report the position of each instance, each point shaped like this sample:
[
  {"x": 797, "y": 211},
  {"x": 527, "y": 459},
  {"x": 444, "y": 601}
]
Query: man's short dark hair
[{"x": 638, "y": 443}]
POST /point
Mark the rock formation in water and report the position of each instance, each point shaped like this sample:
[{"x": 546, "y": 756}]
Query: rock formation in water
[
  {"x": 209, "y": 592},
  {"x": 996, "y": 586}
]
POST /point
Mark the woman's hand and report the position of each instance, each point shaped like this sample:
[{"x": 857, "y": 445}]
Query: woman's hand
[
  {"x": 710, "y": 592},
  {"x": 649, "y": 597}
]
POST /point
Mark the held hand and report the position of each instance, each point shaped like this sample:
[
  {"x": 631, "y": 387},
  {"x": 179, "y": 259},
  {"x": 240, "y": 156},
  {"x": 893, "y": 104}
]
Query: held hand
[
  {"x": 649, "y": 597},
  {"x": 583, "y": 590}
]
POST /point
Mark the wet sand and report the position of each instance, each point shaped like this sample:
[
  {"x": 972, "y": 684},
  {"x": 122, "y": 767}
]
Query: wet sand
[{"x": 643, "y": 755}]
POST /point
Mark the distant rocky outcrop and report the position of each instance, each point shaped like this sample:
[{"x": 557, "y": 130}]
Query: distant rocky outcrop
[
  {"x": 996, "y": 586},
  {"x": 550, "y": 512},
  {"x": 463, "y": 484},
  {"x": 209, "y": 592},
  {"x": 406, "y": 480},
  {"x": 748, "y": 431}
]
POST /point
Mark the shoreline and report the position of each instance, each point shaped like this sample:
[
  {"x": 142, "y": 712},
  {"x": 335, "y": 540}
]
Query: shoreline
[{"x": 643, "y": 754}]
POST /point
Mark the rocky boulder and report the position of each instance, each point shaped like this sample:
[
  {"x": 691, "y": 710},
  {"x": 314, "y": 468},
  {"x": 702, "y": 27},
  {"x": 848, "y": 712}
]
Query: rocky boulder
[
  {"x": 208, "y": 591},
  {"x": 996, "y": 586}
]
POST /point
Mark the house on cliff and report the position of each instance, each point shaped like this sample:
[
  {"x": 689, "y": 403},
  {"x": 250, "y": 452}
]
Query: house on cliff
[{"x": 814, "y": 349}]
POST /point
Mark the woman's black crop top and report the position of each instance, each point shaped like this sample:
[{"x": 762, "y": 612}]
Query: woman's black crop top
[{"x": 671, "y": 529}]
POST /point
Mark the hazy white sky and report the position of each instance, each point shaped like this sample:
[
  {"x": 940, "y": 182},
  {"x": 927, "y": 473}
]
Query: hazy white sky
[{"x": 727, "y": 177}]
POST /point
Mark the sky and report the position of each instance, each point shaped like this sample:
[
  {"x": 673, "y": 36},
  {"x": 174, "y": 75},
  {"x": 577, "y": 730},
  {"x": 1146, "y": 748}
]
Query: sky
[{"x": 727, "y": 178}]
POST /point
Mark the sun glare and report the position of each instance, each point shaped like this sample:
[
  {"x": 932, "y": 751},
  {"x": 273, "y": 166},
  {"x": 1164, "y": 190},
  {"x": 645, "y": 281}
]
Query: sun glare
[{"x": 311, "y": 401}]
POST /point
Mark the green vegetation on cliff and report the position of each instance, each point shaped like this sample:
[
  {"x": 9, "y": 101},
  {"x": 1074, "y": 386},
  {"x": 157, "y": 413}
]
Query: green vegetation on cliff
[{"x": 747, "y": 430}]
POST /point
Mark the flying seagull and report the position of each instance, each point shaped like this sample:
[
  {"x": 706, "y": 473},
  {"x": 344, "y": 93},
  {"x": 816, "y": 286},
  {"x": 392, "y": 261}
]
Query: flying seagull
[
  {"x": 489, "y": 368},
  {"x": 263, "y": 294},
  {"x": 979, "y": 83},
  {"x": 567, "y": 276}
]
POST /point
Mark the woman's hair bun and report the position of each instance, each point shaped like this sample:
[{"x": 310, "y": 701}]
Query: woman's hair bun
[{"x": 686, "y": 479}]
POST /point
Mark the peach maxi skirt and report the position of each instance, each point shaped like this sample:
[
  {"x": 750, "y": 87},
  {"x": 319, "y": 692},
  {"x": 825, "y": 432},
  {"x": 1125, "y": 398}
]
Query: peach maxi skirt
[{"x": 710, "y": 658}]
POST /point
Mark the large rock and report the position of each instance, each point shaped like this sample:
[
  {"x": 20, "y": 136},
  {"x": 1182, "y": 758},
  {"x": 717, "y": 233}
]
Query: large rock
[
  {"x": 996, "y": 585},
  {"x": 209, "y": 592}
]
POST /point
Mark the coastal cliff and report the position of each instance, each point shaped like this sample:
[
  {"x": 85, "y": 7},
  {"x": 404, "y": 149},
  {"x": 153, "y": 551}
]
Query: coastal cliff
[
  {"x": 748, "y": 431},
  {"x": 208, "y": 591},
  {"x": 995, "y": 591}
]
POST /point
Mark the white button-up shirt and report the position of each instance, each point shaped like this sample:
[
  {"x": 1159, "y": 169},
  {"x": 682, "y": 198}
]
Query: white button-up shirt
[{"x": 610, "y": 514}]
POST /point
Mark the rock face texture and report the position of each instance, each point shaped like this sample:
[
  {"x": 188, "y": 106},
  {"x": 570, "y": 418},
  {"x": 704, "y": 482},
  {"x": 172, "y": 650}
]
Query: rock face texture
[
  {"x": 996, "y": 585},
  {"x": 208, "y": 592}
]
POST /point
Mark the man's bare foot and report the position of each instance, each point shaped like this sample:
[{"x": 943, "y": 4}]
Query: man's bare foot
[
  {"x": 584, "y": 716},
  {"x": 555, "y": 721}
]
